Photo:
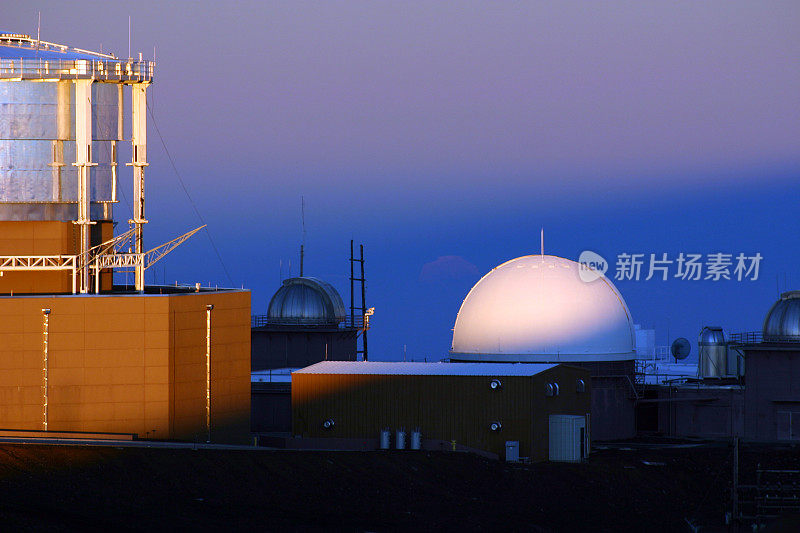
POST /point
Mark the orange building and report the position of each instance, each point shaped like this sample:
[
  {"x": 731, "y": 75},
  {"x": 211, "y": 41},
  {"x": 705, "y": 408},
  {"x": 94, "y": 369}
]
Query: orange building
[
  {"x": 127, "y": 363},
  {"x": 78, "y": 354}
]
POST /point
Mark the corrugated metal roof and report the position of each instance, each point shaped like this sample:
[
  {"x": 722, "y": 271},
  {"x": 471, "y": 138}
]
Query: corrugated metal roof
[{"x": 425, "y": 369}]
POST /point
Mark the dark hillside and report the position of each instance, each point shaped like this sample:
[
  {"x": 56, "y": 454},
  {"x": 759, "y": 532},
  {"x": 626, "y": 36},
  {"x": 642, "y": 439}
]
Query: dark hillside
[{"x": 101, "y": 488}]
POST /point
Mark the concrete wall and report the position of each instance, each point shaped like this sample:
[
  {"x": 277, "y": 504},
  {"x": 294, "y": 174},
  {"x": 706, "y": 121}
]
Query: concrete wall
[
  {"x": 271, "y": 407},
  {"x": 701, "y": 411},
  {"x": 299, "y": 347},
  {"x": 772, "y": 397},
  {"x": 127, "y": 364},
  {"x": 447, "y": 408},
  {"x": 613, "y": 399}
]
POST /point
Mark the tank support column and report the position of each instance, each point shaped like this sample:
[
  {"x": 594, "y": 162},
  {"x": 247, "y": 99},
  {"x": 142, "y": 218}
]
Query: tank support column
[
  {"x": 139, "y": 142},
  {"x": 83, "y": 160}
]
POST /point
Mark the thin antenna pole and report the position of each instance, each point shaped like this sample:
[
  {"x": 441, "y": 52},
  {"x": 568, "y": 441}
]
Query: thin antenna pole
[
  {"x": 303, "y": 222},
  {"x": 129, "y": 36},
  {"x": 38, "y": 31},
  {"x": 541, "y": 240}
]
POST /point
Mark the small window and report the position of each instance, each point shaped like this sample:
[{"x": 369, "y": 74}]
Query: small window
[{"x": 580, "y": 386}]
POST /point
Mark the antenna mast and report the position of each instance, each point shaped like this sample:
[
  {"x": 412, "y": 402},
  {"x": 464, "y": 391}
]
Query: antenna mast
[
  {"x": 303, "y": 222},
  {"x": 541, "y": 240}
]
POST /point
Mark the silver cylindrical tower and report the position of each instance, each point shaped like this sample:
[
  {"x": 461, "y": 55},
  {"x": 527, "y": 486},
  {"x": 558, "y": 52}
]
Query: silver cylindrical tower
[
  {"x": 39, "y": 171},
  {"x": 713, "y": 362},
  {"x": 61, "y": 122}
]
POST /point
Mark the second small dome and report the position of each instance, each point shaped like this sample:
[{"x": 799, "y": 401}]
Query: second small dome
[{"x": 306, "y": 300}]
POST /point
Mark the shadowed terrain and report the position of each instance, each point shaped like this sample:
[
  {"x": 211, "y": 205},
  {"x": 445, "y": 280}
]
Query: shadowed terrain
[{"x": 59, "y": 488}]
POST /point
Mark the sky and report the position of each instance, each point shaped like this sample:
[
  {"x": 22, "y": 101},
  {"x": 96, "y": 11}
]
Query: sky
[{"x": 444, "y": 135}]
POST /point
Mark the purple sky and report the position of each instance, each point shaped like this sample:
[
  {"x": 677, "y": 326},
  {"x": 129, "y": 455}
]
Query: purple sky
[{"x": 428, "y": 130}]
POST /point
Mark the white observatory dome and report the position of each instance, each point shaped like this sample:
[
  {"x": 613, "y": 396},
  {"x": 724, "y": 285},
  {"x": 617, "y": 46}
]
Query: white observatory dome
[{"x": 537, "y": 309}]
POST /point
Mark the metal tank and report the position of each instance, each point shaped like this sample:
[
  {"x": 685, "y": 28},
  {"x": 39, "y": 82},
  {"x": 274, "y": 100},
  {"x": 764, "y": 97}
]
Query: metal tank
[
  {"x": 713, "y": 362},
  {"x": 308, "y": 301},
  {"x": 44, "y": 91},
  {"x": 416, "y": 439},
  {"x": 782, "y": 323},
  {"x": 385, "y": 439}
]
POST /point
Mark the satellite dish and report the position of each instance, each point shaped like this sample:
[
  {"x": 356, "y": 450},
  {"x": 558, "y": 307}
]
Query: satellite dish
[{"x": 680, "y": 349}]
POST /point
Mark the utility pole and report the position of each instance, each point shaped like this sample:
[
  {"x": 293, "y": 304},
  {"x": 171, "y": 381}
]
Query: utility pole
[
  {"x": 352, "y": 288},
  {"x": 735, "y": 495},
  {"x": 363, "y": 300}
]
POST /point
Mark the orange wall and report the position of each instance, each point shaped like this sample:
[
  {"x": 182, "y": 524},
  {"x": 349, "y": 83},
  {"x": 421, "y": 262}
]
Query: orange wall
[
  {"x": 45, "y": 238},
  {"x": 127, "y": 363}
]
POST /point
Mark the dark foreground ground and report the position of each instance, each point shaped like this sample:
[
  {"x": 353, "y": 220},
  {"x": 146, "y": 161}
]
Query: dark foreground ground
[{"x": 56, "y": 488}]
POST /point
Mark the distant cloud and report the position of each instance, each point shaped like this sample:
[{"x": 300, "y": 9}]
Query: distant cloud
[{"x": 448, "y": 268}]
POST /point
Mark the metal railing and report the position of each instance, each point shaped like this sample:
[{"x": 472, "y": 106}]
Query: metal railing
[
  {"x": 74, "y": 69},
  {"x": 757, "y": 337},
  {"x": 258, "y": 321},
  {"x": 775, "y": 493}
]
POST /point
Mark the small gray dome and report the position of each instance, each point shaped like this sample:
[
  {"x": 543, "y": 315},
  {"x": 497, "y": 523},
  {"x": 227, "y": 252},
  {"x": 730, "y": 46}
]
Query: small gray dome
[
  {"x": 783, "y": 320},
  {"x": 308, "y": 301},
  {"x": 711, "y": 336}
]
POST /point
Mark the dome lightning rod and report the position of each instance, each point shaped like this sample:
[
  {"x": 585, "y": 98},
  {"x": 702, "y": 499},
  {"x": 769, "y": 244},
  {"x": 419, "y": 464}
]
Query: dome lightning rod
[{"x": 303, "y": 222}]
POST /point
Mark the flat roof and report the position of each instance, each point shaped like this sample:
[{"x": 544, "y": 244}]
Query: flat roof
[
  {"x": 149, "y": 290},
  {"x": 425, "y": 369}
]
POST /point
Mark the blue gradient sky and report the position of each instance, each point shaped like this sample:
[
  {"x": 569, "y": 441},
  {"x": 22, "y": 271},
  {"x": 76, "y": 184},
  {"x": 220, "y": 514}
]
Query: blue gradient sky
[{"x": 429, "y": 129}]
